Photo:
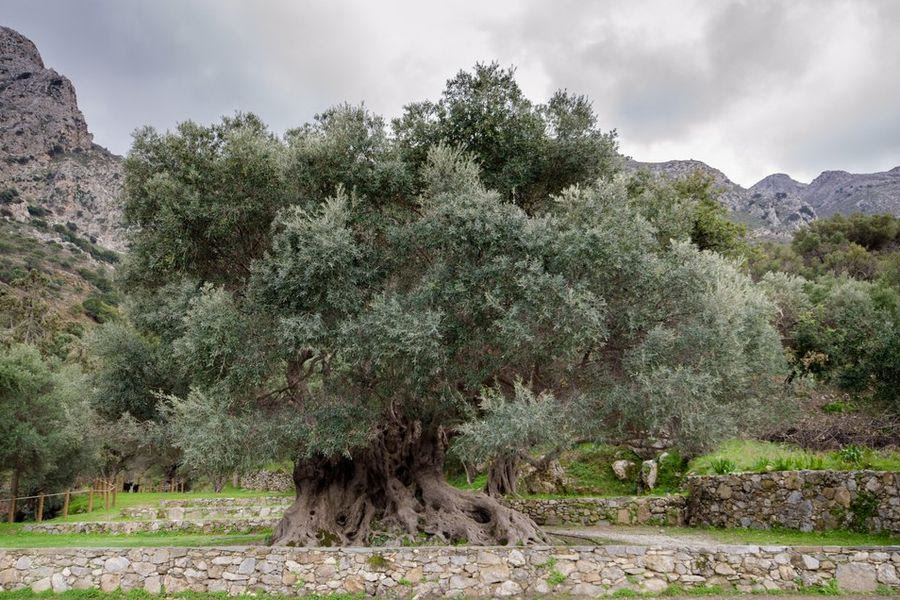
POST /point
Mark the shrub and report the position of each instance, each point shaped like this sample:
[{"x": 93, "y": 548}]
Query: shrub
[
  {"x": 8, "y": 196},
  {"x": 37, "y": 211},
  {"x": 723, "y": 466},
  {"x": 851, "y": 454},
  {"x": 98, "y": 310},
  {"x": 838, "y": 407}
]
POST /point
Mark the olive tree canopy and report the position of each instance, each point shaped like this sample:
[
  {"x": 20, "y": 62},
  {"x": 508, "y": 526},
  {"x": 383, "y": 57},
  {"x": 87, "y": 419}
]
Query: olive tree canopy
[{"x": 364, "y": 294}]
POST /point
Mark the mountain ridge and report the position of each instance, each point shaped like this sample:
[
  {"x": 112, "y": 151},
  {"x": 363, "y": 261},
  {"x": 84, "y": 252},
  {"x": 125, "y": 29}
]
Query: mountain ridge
[
  {"x": 51, "y": 168},
  {"x": 777, "y": 205}
]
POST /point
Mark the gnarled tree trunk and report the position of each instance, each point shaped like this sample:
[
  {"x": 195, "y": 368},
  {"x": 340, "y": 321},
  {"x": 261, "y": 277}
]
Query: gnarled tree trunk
[
  {"x": 502, "y": 475},
  {"x": 391, "y": 491}
]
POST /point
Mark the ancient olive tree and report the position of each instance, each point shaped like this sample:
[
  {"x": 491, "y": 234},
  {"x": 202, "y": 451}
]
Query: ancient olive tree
[{"x": 360, "y": 304}]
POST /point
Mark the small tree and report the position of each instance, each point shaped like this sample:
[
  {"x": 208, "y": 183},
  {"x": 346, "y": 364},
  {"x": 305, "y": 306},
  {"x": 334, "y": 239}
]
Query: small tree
[{"x": 45, "y": 433}]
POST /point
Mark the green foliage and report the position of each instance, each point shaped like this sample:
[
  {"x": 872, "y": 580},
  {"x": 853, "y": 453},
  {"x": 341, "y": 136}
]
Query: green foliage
[
  {"x": 129, "y": 373},
  {"x": 788, "y": 537},
  {"x": 838, "y": 407},
  {"x": 525, "y": 152},
  {"x": 98, "y": 310},
  {"x": 751, "y": 455},
  {"x": 510, "y": 427},
  {"x": 8, "y": 195},
  {"x": 820, "y": 589},
  {"x": 345, "y": 280},
  {"x": 45, "y": 433},
  {"x": 68, "y": 234},
  {"x": 201, "y": 199},
  {"x": 851, "y": 454},
  {"x": 723, "y": 466},
  {"x": 37, "y": 211},
  {"x": 555, "y": 577},
  {"x": 844, "y": 331},
  {"x": 862, "y": 508}
]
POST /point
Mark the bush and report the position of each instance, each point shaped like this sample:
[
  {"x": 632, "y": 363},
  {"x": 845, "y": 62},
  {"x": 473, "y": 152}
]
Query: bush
[
  {"x": 37, "y": 211},
  {"x": 98, "y": 310},
  {"x": 723, "y": 466},
  {"x": 8, "y": 196}
]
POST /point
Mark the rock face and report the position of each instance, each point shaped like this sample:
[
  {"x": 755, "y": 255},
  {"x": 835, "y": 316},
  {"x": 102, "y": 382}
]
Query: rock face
[
  {"x": 778, "y": 205},
  {"x": 50, "y": 167},
  {"x": 839, "y": 192},
  {"x": 780, "y": 201},
  {"x": 768, "y": 211}
]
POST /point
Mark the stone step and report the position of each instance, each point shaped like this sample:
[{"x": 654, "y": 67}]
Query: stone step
[
  {"x": 194, "y": 513},
  {"x": 209, "y": 526},
  {"x": 244, "y": 501}
]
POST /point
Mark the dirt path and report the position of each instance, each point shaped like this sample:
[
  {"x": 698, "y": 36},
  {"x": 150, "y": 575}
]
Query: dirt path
[{"x": 631, "y": 535}]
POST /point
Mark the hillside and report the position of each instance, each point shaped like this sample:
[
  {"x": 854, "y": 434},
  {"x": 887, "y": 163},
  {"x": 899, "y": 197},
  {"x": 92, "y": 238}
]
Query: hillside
[{"x": 58, "y": 195}]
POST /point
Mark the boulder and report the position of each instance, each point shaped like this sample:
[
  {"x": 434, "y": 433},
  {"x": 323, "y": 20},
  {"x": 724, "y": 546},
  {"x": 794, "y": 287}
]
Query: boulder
[{"x": 622, "y": 469}]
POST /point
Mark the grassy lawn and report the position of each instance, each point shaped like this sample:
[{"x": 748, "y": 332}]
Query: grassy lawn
[
  {"x": 786, "y": 537},
  {"x": 748, "y": 455},
  {"x": 589, "y": 467},
  {"x": 12, "y": 536},
  {"x": 78, "y": 508}
]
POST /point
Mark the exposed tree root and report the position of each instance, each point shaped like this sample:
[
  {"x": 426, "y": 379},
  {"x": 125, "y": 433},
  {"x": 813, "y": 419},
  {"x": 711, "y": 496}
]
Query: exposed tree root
[{"x": 395, "y": 489}]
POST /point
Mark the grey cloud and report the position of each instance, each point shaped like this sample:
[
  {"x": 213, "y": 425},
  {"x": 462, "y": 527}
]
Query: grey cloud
[{"x": 748, "y": 86}]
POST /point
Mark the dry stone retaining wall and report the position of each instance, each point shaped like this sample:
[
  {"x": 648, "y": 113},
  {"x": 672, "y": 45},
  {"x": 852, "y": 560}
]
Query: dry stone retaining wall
[
  {"x": 626, "y": 510},
  {"x": 210, "y": 526},
  {"x": 804, "y": 500},
  {"x": 182, "y": 513},
  {"x": 273, "y": 481},
  {"x": 228, "y": 502},
  {"x": 447, "y": 571}
]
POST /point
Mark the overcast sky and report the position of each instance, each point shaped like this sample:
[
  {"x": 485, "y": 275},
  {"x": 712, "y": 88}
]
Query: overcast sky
[{"x": 749, "y": 87}]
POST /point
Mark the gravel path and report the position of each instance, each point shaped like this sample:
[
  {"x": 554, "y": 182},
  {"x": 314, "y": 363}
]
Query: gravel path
[{"x": 632, "y": 535}]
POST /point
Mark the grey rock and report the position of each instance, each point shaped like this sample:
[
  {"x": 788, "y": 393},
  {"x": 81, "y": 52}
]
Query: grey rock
[{"x": 856, "y": 577}]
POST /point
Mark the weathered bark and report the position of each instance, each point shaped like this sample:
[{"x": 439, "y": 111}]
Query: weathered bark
[
  {"x": 394, "y": 491},
  {"x": 502, "y": 476}
]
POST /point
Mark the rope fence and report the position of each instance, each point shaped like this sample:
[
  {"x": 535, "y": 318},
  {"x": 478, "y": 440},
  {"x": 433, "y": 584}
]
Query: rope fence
[{"x": 100, "y": 490}]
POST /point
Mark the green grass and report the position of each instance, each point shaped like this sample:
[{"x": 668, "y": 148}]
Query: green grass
[
  {"x": 27, "y": 594},
  {"x": 590, "y": 466},
  {"x": 459, "y": 482},
  {"x": 787, "y": 537},
  {"x": 12, "y": 536},
  {"x": 750, "y": 455},
  {"x": 78, "y": 505}
]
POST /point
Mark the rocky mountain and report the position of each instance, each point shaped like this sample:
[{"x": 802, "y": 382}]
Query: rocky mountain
[
  {"x": 778, "y": 205},
  {"x": 769, "y": 211},
  {"x": 841, "y": 192},
  {"x": 50, "y": 170}
]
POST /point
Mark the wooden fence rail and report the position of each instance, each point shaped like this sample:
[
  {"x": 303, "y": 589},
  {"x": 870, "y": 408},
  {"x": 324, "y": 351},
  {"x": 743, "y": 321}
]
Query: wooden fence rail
[
  {"x": 103, "y": 490},
  {"x": 98, "y": 487}
]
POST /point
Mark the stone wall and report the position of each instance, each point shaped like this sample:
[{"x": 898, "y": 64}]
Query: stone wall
[
  {"x": 210, "y": 526},
  {"x": 273, "y": 481},
  {"x": 228, "y": 502},
  {"x": 626, "y": 510},
  {"x": 189, "y": 513},
  {"x": 445, "y": 571},
  {"x": 804, "y": 500}
]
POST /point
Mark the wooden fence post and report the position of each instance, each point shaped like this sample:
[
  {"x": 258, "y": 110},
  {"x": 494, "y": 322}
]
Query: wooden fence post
[
  {"x": 39, "y": 516},
  {"x": 106, "y": 495},
  {"x": 12, "y": 498},
  {"x": 91, "y": 499},
  {"x": 66, "y": 505}
]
